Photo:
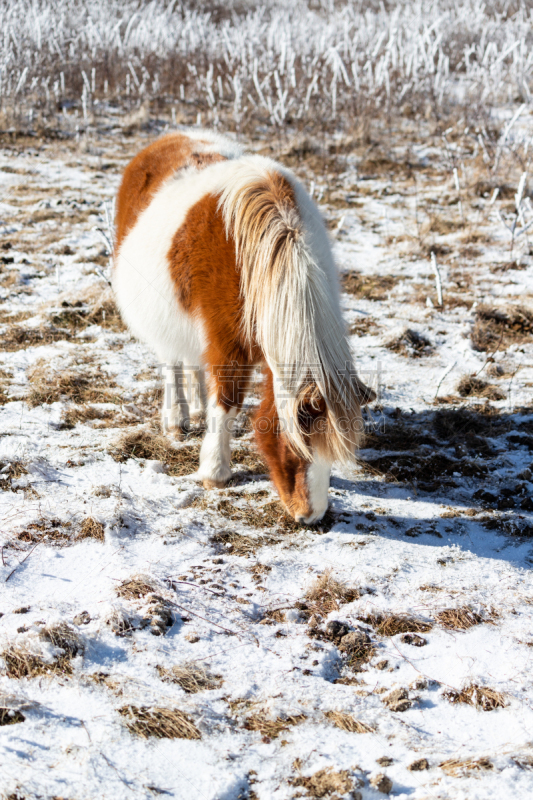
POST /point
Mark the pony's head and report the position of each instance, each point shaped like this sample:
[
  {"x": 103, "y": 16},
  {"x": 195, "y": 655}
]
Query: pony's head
[{"x": 300, "y": 446}]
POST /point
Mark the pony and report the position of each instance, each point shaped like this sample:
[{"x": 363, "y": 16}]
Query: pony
[{"x": 222, "y": 265}]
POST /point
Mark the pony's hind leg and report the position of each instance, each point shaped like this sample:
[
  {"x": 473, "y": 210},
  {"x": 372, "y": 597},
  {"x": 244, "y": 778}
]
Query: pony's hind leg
[
  {"x": 175, "y": 408},
  {"x": 215, "y": 453},
  {"x": 195, "y": 393}
]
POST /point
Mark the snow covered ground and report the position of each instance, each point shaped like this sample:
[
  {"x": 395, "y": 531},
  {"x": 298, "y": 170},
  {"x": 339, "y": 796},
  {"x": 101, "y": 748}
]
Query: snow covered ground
[{"x": 160, "y": 640}]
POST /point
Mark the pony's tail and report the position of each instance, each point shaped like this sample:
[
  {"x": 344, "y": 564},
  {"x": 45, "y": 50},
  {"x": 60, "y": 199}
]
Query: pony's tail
[{"x": 291, "y": 310}]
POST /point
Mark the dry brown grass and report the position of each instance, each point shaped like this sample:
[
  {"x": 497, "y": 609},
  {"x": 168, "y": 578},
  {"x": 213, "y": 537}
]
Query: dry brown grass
[
  {"x": 498, "y": 327},
  {"x": 159, "y": 723},
  {"x": 63, "y": 636},
  {"x": 482, "y": 697},
  {"x": 271, "y": 728},
  {"x": 410, "y": 343},
  {"x": 18, "y": 338},
  {"x": 15, "y": 470},
  {"x": 249, "y": 460},
  {"x": 20, "y": 662},
  {"x": 459, "y": 619},
  {"x": 89, "y": 386},
  {"x": 392, "y": 624},
  {"x": 456, "y": 767},
  {"x": 327, "y": 594},
  {"x": 239, "y": 544},
  {"x": 92, "y": 307},
  {"x": 348, "y": 723},
  {"x": 150, "y": 445},
  {"x": 370, "y": 287},
  {"x": 135, "y": 587},
  {"x": 50, "y": 531},
  {"x": 363, "y": 327},
  {"x": 9, "y": 716},
  {"x": 325, "y": 783},
  {"x": 270, "y": 515},
  {"x": 91, "y": 529},
  {"x": 75, "y": 414},
  {"x": 191, "y": 677},
  {"x": 471, "y": 386}
]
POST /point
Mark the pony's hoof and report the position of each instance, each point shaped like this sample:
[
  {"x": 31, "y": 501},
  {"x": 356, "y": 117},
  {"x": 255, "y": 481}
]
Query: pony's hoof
[{"x": 207, "y": 483}]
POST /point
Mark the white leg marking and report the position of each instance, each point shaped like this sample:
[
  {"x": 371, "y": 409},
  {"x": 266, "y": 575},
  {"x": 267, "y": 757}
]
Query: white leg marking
[
  {"x": 215, "y": 452},
  {"x": 318, "y": 473}
]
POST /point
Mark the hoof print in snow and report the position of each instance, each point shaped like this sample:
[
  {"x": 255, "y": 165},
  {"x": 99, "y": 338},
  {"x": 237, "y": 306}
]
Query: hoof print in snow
[
  {"x": 382, "y": 783},
  {"x": 398, "y": 699}
]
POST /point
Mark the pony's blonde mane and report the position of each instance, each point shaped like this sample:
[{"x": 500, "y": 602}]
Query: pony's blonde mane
[{"x": 291, "y": 308}]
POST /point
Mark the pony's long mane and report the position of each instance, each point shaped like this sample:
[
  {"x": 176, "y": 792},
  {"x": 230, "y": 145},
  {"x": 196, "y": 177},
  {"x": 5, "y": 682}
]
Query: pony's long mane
[{"x": 291, "y": 310}]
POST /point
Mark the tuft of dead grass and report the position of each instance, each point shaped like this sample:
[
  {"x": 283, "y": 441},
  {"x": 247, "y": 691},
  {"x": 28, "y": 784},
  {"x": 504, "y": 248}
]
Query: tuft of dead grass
[
  {"x": 410, "y": 343},
  {"x": 495, "y": 327},
  {"x": 135, "y": 587},
  {"x": 159, "y": 723},
  {"x": 191, "y": 677},
  {"x": 89, "y": 386},
  {"x": 93, "y": 307},
  {"x": 456, "y": 767},
  {"x": 327, "y": 594},
  {"x": 91, "y": 529},
  {"x": 470, "y": 386},
  {"x": 85, "y": 413},
  {"x": 239, "y": 544},
  {"x": 270, "y": 515},
  {"x": 481, "y": 697},
  {"x": 271, "y": 728},
  {"x": 20, "y": 662},
  {"x": 249, "y": 460},
  {"x": 19, "y": 338},
  {"x": 370, "y": 287},
  {"x": 392, "y": 624},
  {"x": 459, "y": 619},
  {"x": 63, "y": 636},
  {"x": 10, "y": 716},
  {"x": 348, "y": 723},
  {"x": 325, "y": 783},
  {"x": 150, "y": 445},
  {"x": 50, "y": 531}
]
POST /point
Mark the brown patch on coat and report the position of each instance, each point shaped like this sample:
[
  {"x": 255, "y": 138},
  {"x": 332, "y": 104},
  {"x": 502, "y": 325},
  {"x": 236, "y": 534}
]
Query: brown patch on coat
[{"x": 145, "y": 174}]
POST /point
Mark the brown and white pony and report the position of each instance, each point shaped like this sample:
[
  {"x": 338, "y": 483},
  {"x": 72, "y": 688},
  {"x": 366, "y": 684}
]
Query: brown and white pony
[{"x": 222, "y": 262}]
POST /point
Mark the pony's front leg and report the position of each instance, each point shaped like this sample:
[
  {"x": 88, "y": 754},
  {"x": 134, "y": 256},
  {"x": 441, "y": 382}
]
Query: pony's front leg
[{"x": 215, "y": 453}]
